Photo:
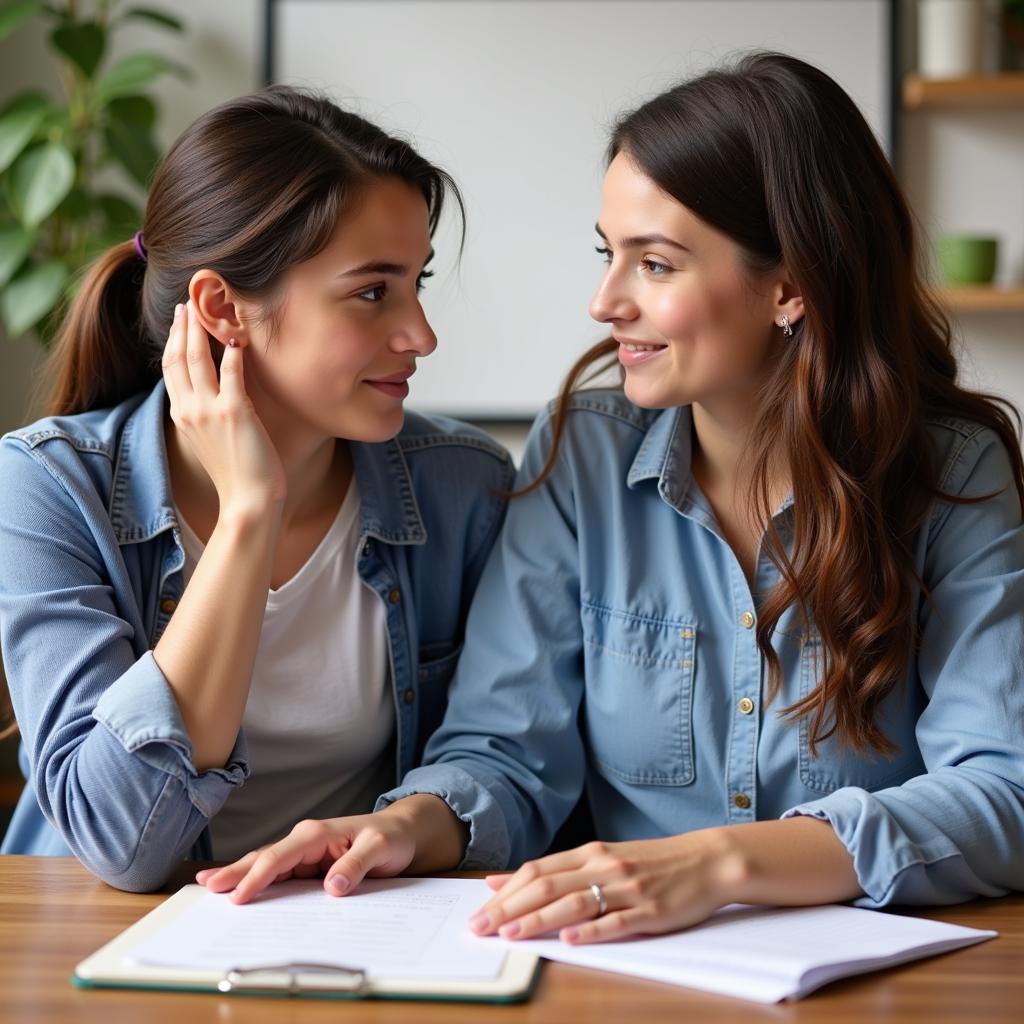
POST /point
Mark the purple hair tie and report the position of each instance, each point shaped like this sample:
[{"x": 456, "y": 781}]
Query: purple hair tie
[{"x": 140, "y": 249}]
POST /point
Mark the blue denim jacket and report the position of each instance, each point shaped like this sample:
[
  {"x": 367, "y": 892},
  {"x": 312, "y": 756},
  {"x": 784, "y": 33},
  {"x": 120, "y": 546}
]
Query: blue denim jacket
[
  {"x": 611, "y": 645},
  {"x": 90, "y": 573}
]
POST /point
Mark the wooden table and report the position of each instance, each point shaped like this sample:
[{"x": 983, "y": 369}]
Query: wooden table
[{"x": 53, "y": 914}]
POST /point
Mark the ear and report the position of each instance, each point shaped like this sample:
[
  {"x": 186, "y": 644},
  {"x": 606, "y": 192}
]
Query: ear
[
  {"x": 221, "y": 311},
  {"x": 787, "y": 300}
]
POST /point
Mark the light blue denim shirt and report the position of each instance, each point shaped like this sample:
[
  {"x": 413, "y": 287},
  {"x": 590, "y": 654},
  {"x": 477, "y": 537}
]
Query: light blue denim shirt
[
  {"x": 611, "y": 645},
  {"x": 90, "y": 573}
]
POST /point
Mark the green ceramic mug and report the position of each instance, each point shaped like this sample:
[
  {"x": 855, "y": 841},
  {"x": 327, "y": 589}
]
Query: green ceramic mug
[{"x": 967, "y": 259}]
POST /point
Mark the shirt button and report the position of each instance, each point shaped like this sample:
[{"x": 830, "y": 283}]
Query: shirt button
[
  {"x": 409, "y": 696},
  {"x": 741, "y": 800},
  {"x": 747, "y": 620},
  {"x": 746, "y": 705},
  {"x": 167, "y": 605},
  {"x": 395, "y": 596}
]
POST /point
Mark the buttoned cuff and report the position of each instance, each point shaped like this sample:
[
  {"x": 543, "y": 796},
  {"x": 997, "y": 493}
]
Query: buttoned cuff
[
  {"x": 140, "y": 711},
  {"x": 488, "y": 846}
]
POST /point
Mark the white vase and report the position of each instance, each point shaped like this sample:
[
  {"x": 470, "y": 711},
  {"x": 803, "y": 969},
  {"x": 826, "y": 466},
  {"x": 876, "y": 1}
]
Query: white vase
[{"x": 949, "y": 37}]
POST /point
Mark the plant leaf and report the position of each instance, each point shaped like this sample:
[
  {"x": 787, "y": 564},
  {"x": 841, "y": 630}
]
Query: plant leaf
[
  {"x": 82, "y": 43},
  {"x": 128, "y": 74},
  {"x": 139, "y": 110},
  {"x": 133, "y": 148},
  {"x": 40, "y": 179},
  {"x": 158, "y": 17},
  {"x": 18, "y": 123},
  {"x": 15, "y": 245},
  {"x": 123, "y": 218},
  {"x": 14, "y": 15},
  {"x": 31, "y": 295}
]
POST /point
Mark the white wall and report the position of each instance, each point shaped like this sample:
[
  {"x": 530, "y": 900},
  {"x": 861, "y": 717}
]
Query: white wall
[{"x": 962, "y": 171}]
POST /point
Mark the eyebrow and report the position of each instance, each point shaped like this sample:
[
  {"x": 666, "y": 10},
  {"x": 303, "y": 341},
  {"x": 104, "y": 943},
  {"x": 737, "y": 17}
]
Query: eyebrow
[
  {"x": 636, "y": 241},
  {"x": 380, "y": 267}
]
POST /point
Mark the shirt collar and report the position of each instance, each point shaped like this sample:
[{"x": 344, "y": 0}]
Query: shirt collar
[
  {"x": 141, "y": 504},
  {"x": 666, "y": 455}
]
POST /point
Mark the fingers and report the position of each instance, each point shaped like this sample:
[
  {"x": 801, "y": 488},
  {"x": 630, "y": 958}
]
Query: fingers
[
  {"x": 497, "y": 882},
  {"x": 179, "y": 385},
  {"x": 618, "y": 925},
  {"x": 370, "y": 849},
  {"x": 306, "y": 844},
  {"x": 200, "y": 362},
  {"x": 548, "y": 902},
  {"x": 226, "y": 878},
  {"x": 232, "y": 378}
]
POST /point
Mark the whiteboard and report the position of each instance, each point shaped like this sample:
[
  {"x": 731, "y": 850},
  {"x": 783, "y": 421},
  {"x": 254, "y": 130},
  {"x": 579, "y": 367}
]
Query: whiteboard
[{"x": 515, "y": 98}]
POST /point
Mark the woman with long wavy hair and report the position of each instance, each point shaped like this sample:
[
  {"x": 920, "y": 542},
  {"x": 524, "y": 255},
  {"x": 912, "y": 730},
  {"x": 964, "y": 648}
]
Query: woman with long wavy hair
[{"x": 763, "y": 604}]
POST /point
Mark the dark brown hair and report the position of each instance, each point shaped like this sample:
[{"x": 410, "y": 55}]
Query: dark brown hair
[
  {"x": 774, "y": 154},
  {"x": 251, "y": 188}
]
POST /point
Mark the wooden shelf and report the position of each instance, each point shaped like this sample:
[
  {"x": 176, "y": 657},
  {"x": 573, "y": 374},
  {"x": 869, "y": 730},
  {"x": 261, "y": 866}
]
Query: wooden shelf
[
  {"x": 981, "y": 299},
  {"x": 1006, "y": 90}
]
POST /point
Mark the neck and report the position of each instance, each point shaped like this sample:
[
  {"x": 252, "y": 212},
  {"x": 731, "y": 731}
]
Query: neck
[{"x": 722, "y": 462}]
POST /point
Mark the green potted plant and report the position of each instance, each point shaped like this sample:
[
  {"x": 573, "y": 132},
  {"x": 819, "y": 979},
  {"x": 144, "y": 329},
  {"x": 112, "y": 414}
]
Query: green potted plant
[{"x": 55, "y": 214}]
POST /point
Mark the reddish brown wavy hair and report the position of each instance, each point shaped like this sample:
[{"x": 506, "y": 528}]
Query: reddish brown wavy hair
[{"x": 774, "y": 154}]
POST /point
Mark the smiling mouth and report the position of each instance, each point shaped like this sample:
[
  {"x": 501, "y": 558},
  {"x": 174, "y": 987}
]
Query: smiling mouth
[{"x": 630, "y": 346}]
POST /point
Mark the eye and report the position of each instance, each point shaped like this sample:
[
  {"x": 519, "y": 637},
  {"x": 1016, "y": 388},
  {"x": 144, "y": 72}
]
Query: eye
[
  {"x": 654, "y": 268},
  {"x": 421, "y": 280},
  {"x": 374, "y": 294},
  {"x": 606, "y": 253}
]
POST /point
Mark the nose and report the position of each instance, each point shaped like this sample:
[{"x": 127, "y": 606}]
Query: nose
[
  {"x": 416, "y": 335},
  {"x": 612, "y": 300}
]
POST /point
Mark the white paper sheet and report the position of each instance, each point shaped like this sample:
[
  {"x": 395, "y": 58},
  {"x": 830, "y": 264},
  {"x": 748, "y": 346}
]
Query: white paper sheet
[
  {"x": 765, "y": 954},
  {"x": 396, "y": 927}
]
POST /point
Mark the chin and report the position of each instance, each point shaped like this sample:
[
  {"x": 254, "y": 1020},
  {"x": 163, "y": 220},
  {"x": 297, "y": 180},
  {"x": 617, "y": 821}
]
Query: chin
[
  {"x": 648, "y": 397},
  {"x": 374, "y": 430}
]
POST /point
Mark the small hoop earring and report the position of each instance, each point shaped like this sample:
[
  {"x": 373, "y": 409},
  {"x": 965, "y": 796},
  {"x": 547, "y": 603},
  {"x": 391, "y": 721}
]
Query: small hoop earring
[{"x": 783, "y": 322}]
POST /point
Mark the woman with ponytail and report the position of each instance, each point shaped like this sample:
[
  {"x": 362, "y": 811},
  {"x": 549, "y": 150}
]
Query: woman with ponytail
[
  {"x": 233, "y": 575},
  {"x": 764, "y": 603}
]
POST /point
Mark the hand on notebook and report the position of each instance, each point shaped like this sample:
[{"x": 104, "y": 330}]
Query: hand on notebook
[
  {"x": 654, "y": 886},
  {"x": 649, "y": 887},
  {"x": 343, "y": 850}
]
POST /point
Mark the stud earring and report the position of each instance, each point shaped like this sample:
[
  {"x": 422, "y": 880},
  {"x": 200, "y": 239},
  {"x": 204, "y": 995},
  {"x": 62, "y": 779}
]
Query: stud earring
[{"x": 783, "y": 322}]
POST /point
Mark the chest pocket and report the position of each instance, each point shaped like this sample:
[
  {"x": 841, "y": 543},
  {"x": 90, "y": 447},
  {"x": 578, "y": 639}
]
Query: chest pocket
[
  {"x": 837, "y": 765},
  {"x": 639, "y": 695}
]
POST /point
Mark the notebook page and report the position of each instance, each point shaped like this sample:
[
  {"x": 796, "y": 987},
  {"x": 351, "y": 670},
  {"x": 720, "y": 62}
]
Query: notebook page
[
  {"x": 391, "y": 928},
  {"x": 768, "y": 954}
]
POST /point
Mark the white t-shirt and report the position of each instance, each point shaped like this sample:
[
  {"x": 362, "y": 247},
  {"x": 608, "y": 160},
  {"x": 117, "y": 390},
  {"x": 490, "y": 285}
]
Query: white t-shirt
[{"x": 320, "y": 718}]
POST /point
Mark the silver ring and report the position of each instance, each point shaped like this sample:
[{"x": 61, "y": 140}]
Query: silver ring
[{"x": 602, "y": 903}]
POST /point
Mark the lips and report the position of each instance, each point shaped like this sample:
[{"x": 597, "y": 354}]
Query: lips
[
  {"x": 395, "y": 385},
  {"x": 633, "y": 351}
]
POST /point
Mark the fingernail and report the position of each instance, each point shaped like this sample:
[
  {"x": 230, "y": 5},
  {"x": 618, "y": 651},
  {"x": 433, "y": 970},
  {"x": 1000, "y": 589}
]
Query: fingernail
[
  {"x": 177, "y": 310},
  {"x": 232, "y": 343},
  {"x": 339, "y": 883},
  {"x": 570, "y": 934},
  {"x": 480, "y": 922},
  {"x": 510, "y": 930}
]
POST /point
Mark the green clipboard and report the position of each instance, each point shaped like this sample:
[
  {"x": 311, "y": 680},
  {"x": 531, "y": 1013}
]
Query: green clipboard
[{"x": 112, "y": 967}]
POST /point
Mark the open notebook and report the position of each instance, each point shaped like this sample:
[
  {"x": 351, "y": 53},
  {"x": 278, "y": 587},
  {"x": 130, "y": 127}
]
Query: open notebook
[
  {"x": 769, "y": 954},
  {"x": 406, "y": 938}
]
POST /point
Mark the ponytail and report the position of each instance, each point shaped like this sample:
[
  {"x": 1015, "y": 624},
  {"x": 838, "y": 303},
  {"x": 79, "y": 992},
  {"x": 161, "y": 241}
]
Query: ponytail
[{"x": 101, "y": 356}]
